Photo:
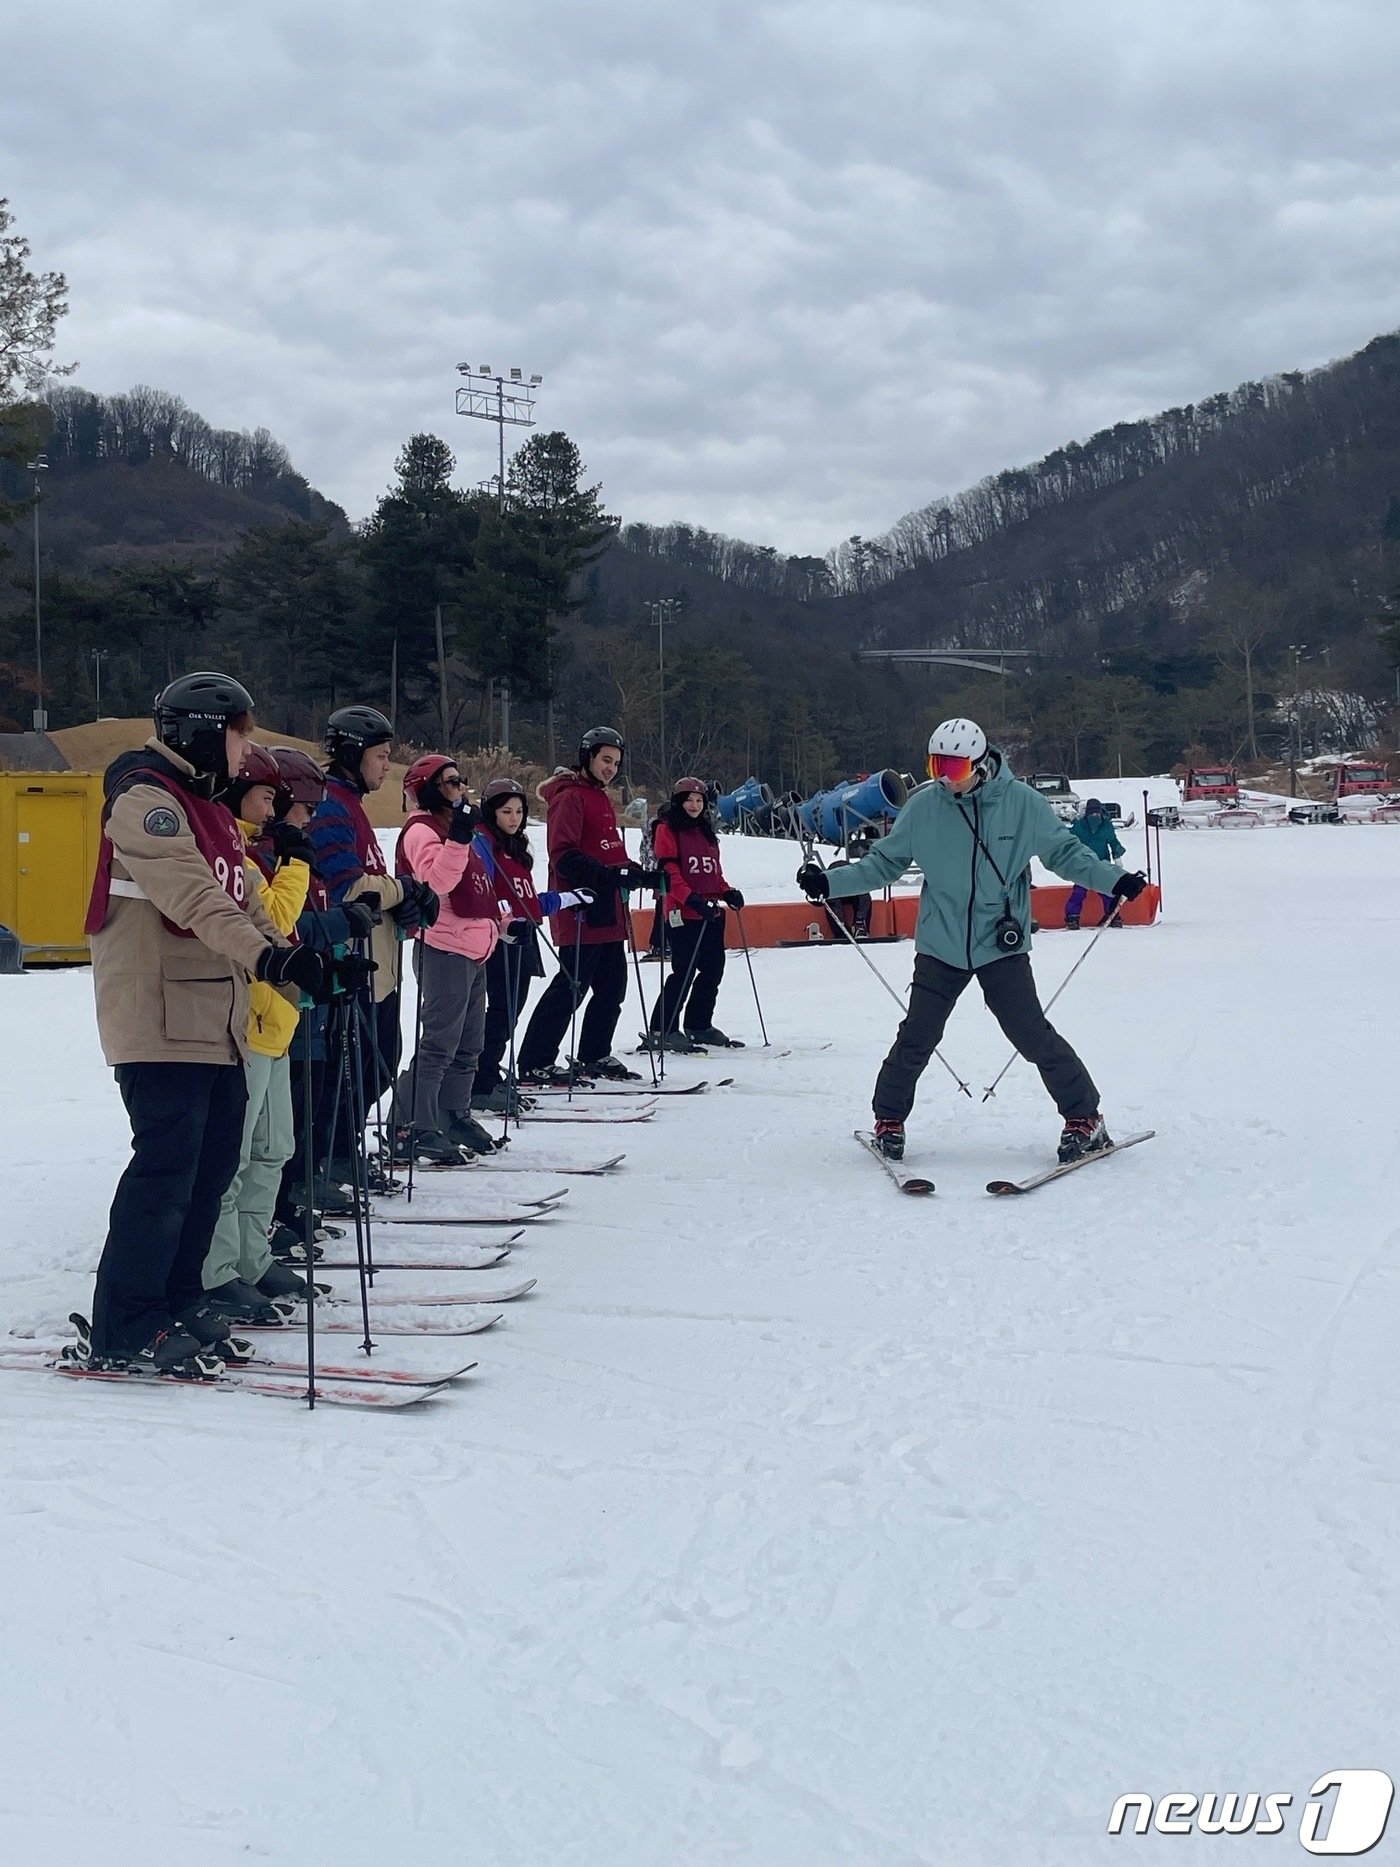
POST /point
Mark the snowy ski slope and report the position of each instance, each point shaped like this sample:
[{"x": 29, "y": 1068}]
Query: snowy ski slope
[{"x": 788, "y": 1522}]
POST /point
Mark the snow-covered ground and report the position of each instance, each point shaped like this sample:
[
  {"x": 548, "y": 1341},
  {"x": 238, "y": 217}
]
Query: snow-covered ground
[{"x": 789, "y": 1522}]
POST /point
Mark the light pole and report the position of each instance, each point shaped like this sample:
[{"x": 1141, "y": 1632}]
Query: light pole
[
  {"x": 509, "y": 401},
  {"x": 39, "y": 464},
  {"x": 1295, "y": 737},
  {"x": 662, "y": 612},
  {"x": 99, "y": 655}
]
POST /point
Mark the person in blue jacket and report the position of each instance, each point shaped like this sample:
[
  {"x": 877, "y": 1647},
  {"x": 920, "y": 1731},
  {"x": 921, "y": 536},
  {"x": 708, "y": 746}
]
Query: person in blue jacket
[
  {"x": 1095, "y": 830},
  {"x": 972, "y": 833}
]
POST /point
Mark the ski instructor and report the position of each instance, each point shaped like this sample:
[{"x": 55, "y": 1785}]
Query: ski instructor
[{"x": 972, "y": 833}]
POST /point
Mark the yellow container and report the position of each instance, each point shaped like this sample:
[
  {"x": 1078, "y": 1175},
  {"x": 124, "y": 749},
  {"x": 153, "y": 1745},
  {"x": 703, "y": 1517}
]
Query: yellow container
[{"x": 50, "y": 828}]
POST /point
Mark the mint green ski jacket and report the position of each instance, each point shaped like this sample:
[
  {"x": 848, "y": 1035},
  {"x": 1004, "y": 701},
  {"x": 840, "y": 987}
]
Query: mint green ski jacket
[{"x": 962, "y": 898}]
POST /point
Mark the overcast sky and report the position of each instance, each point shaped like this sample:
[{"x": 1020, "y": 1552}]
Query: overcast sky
[{"x": 788, "y": 270}]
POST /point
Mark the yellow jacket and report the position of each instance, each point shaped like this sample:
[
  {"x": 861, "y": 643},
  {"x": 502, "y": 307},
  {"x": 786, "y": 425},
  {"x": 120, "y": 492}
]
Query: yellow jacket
[{"x": 272, "y": 1016}]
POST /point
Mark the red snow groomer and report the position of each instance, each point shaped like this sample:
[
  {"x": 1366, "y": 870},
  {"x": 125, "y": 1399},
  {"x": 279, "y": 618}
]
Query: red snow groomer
[
  {"x": 1211, "y": 784},
  {"x": 1359, "y": 778}
]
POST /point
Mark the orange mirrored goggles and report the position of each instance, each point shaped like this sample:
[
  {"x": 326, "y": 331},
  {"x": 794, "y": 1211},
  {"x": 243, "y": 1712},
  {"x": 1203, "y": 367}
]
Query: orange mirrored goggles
[{"x": 945, "y": 765}]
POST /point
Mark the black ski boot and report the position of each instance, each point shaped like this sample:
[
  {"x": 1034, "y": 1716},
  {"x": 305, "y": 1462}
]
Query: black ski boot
[
  {"x": 714, "y": 1038},
  {"x": 674, "y": 1043},
  {"x": 287, "y": 1243},
  {"x": 555, "y": 1076},
  {"x": 236, "y": 1302},
  {"x": 889, "y": 1139},
  {"x": 279, "y": 1283},
  {"x": 504, "y": 1099},
  {"x": 470, "y": 1134},
  {"x": 175, "y": 1351},
  {"x": 611, "y": 1069},
  {"x": 1072, "y": 922},
  {"x": 432, "y": 1148},
  {"x": 1083, "y": 1134}
]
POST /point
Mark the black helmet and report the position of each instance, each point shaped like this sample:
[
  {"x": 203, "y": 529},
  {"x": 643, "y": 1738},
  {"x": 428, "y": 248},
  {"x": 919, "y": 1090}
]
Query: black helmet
[
  {"x": 594, "y": 739},
  {"x": 352, "y": 730},
  {"x": 192, "y": 715}
]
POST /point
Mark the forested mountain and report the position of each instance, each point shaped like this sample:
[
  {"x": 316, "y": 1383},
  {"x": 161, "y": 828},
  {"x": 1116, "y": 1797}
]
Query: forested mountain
[{"x": 1212, "y": 580}]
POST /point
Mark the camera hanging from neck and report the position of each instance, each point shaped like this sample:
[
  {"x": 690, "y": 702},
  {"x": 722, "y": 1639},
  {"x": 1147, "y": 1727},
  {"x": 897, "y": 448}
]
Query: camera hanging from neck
[{"x": 1008, "y": 935}]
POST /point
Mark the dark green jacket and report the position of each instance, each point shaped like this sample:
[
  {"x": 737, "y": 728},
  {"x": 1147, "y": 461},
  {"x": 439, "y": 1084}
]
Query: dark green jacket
[
  {"x": 962, "y": 899},
  {"x": 1098, "y": 834}
]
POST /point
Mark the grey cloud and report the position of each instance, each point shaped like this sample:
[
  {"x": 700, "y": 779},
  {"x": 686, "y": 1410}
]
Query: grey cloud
[{"x": 788, "y": 270}]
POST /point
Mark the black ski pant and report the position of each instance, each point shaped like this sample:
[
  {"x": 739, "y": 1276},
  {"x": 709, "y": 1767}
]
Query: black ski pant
[
  {"x": 601, "y": 977},
  {"x": 1008, "y": 986},
  {"x": 695, "y": 953},
  {"x": 372, "y": 1033},
  {"x": 186, "y": 1132},
  {"x": 507, "y": 988}
]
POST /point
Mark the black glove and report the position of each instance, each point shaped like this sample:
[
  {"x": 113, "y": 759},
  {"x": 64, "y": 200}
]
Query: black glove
[
  {"x": 1129, "y": 887},
  {"x": 734, "y": 898},
  {"x": 360, "y": 916},
  {"x": 813, "y": 883},
  {"x": 465, "y": 823},
  {"x": 419, "y": 907},
  {"x": 290, "y": 843},
  {"x": 633, "y": 876},
  {"x": 346, "y": 972},
  {"x": 519, "y": 931},
  {"x": 710, "y": 909},
  {"x": 292, "y": 965}
]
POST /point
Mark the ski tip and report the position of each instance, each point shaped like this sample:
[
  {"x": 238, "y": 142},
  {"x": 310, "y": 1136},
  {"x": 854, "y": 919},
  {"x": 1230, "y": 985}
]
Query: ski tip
[{"x": 1002, "y": 1187}]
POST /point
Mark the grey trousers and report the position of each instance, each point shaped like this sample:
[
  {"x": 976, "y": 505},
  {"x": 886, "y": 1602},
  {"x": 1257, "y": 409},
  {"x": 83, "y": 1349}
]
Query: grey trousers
[
  {"x": 449, "y": 1042},
  {"x": 1008, "y": 986},
  {"x": 239, "y": 1247}
]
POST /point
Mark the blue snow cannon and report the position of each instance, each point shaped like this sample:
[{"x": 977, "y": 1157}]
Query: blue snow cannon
[
  {"x": 751, "y": 796},
  {"x": 836, "y": 814}
]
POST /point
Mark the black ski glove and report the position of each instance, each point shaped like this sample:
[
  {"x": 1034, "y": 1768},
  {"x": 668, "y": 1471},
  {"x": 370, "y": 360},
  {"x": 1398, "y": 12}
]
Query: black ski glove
[
  {"x": 360, "y": 916},
  {"x": 292, "y": 965},
  {"x": 710, "y": 909},
  {"x": 290, "y": 843},
  {"x": 734, "y": 898},
  {"x": 633, "y": 875},
  {"x": 813, "y": 883},
  {"x": 518, "y": 931},
  {"x": 419, "y": 907},
  {"x": 465, "y": 823},
  {"x": 346, "y": 972},
  {"x": 1129, "y": 887}
]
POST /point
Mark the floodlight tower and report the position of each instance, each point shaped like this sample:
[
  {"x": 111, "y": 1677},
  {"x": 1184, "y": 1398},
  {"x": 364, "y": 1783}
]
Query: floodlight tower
[
  {"x": 509, "y": 401},
  {"x": 39, "y": 464}
]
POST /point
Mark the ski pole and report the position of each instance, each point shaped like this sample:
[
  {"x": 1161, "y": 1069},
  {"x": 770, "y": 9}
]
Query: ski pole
[
  {"x": 510, "y": 951},
  {"x": 810, "y": 852},
  {"x": 663, "y": 1019},
  {"x": 411, "y": 1121},
  {"x": 574, "y": 996},
  {"x": 1098, "y": 935},
  {"x": 744, "y": 941},
  {"x": 658, "y": 921},
  {"x": 308, "y": 1216},
  {"x": 641, "y": 994},
  {"x": 359, "y": 1200}
]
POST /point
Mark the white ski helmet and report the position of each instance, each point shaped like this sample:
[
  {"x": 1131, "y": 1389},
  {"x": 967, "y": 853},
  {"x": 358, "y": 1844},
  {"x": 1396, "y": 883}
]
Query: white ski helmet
[
  {"x": 955, "y": 749},
  {"x": 958, "y": 739}
]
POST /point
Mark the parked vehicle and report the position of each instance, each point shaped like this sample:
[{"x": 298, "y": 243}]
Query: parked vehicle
[
  {"x": 1054, "y": 786},
  {"x": 1211, "y": 784},
  {"x": 1359, "y": 778}
]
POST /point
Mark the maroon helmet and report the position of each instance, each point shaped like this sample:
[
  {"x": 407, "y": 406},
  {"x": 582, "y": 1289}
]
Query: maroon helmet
[
  {"x": 684, "y": 786},
  {"x": 300, "y": 779},
  {"x": 498, "y": 790}
]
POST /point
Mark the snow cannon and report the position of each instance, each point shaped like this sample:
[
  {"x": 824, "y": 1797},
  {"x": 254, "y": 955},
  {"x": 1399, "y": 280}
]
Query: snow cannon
[
  {"x": 833, "y": 815},
  {"x": 750, "y": 798}
]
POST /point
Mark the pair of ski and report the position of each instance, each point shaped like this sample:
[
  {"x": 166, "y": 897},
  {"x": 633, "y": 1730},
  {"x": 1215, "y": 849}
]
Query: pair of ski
[
  {"x": 356, "y": 1384},
  {"x": 586, "y": 1092},
  {"x": 917, "y": 1186}
]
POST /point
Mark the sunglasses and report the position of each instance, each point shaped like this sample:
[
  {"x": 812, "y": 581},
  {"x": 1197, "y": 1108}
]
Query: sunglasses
[
  {"x": 948, "y": 767},
  {"x": 454, "y": 784}
]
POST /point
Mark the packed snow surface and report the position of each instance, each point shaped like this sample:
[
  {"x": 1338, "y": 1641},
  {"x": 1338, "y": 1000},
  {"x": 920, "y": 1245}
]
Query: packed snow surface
[{"x": 789, "y": 1522}]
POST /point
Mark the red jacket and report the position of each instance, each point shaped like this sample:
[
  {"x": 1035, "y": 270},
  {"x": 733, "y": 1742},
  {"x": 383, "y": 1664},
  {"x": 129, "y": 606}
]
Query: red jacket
[
  {"x": 692, "y": 860},
  {"x": 585, "y": 850}
]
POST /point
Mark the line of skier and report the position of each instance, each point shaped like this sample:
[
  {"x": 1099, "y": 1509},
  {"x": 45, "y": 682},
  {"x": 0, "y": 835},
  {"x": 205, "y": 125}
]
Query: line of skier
[{"x": 247, "y": 940}]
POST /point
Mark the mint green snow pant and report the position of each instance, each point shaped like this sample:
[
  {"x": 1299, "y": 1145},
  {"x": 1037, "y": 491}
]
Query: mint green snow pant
[{"x": 239, "y": 1247}]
